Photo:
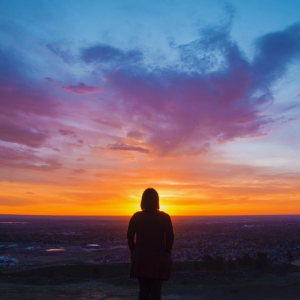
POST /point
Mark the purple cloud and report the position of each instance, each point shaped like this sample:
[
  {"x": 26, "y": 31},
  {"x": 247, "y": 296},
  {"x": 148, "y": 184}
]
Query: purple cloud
[
  {"x": 23, "y": 103},
  {"x": 80, "y": 89},
  {"x": 126, "y": 147},
  {"x": 214, "y": 94},
  {"x": 19, "y": 94},
  {"x": 26, "y": 159},
  {"x": 16, "y": 132},
  {"x": 289, "y": 120},
  {"x": 137, "y": 135},
  {"x": 67, "y": 132}
]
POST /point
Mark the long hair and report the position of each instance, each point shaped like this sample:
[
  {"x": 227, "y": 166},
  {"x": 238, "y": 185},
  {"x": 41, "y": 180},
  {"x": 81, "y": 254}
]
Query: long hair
[{"x": 150, "y": 200}]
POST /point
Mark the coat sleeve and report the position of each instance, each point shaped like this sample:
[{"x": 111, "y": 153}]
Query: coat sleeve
[
  {"x": 169, "y": 235},
  {"x": 130, "y": 234}
]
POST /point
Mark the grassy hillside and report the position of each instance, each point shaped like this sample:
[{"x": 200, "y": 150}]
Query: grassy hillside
[{"x": 111, "y": 282}]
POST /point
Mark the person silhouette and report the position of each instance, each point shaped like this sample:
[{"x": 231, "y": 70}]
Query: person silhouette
[{"x": 151, "y": 260}]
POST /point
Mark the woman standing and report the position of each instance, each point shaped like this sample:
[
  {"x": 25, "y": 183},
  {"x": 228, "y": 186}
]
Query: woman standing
[{"x": 151, "y": 251}]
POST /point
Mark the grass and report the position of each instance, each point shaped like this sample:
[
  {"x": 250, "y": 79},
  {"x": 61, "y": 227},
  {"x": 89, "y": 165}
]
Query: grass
[
  {"x": 114, "y": 284},
  {"x": 103, "y": 291},
  {"x": 90, "y": 290}
]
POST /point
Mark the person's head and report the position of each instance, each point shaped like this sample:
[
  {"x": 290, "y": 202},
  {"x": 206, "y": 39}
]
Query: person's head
[{"x": 150, "y": 200}]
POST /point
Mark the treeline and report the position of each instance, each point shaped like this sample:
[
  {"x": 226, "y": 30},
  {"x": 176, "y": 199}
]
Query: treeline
[{"x": 218, "y": 263}]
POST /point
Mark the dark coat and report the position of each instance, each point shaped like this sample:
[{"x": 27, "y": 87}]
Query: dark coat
[{"x": 151, "y": 252}]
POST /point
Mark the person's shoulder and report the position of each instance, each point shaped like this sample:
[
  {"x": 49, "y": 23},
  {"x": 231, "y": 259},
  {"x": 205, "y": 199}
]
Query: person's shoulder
[
  {"x": 164, "y": 214},
  {"x": 136, "y": 214}
]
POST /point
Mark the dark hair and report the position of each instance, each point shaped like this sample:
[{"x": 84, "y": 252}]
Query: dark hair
[{"x": 150, "y": 200}]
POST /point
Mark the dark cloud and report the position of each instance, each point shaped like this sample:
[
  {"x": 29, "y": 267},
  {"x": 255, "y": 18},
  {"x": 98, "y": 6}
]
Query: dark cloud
[
  {"x": 126, "y": 147},
  {"x": 104, "y": 53},
  {"x": 275, "y": 52}
]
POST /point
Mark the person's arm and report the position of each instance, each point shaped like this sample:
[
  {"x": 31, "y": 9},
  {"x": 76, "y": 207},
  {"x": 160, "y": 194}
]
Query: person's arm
[
  {"x": 169, "y": 236},
  {"x": 130, "y": 234}
]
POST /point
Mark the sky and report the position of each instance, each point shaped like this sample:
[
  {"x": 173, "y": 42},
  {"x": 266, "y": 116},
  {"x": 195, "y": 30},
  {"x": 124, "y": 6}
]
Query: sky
[{"x": 100, "y": 100}]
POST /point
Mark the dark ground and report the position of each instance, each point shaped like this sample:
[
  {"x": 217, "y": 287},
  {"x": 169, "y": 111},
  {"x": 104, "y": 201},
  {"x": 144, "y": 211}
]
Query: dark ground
[{"x": 111, "y": 282}]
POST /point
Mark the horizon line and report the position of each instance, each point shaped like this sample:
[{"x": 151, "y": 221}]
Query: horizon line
[{"x": 37, "y": 215}]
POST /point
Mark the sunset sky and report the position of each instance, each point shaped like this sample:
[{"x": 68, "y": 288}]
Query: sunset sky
[{"x": 102, "y": 99}]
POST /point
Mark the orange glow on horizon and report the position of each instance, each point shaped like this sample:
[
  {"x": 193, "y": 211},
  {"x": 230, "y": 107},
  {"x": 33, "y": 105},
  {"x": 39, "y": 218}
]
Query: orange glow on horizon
[{"x": 189, "y": 191}]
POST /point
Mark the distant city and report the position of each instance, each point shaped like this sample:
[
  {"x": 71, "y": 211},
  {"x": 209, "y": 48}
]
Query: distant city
[{"x": 31, "y": 242}]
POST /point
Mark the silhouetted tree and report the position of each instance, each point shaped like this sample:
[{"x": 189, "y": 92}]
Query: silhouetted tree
[
  {"x": 247, "y": 261},
  {"x": 231, "y": 263},
  {"x": 219, "y": 262},
  {"x": 96, "y": 272},
  {"x": 208, "y": 262},
  {"x": 289, "y": 256},
  {"x": 196, "y": 265},
  {"x": 261, "y": 259}
]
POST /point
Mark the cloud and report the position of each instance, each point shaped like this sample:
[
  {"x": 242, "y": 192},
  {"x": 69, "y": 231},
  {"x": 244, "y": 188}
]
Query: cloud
[
  {"x": 275, "y": 51},
  {"x": 26, "y": 159},
  {"x": 80, "y": 89},
  {"x": 64, "y": 55},
  {"x": 19, "y": 93},
  {"x": 90, "y": 198},
  {"x": 121, "y": 146},
  {"x": 213, "y": 94},
  {"x": 67, "y": 132},
  {"x": 289, "y": 120},
  {"x": 137, "y": 135},
  {"x": 23, "y": 102},
  {"x": 78, "y": 171},
  {"x": 15, "y": 201},
  {"x": 100, "y": 174},
  {"x": 104, "y": 53},
  {"x": 110, "y": 122},
  {"x": 209, "y": 93},
  {"x": 17, "y": 132},
  {"x": 51, "y": 80}
]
